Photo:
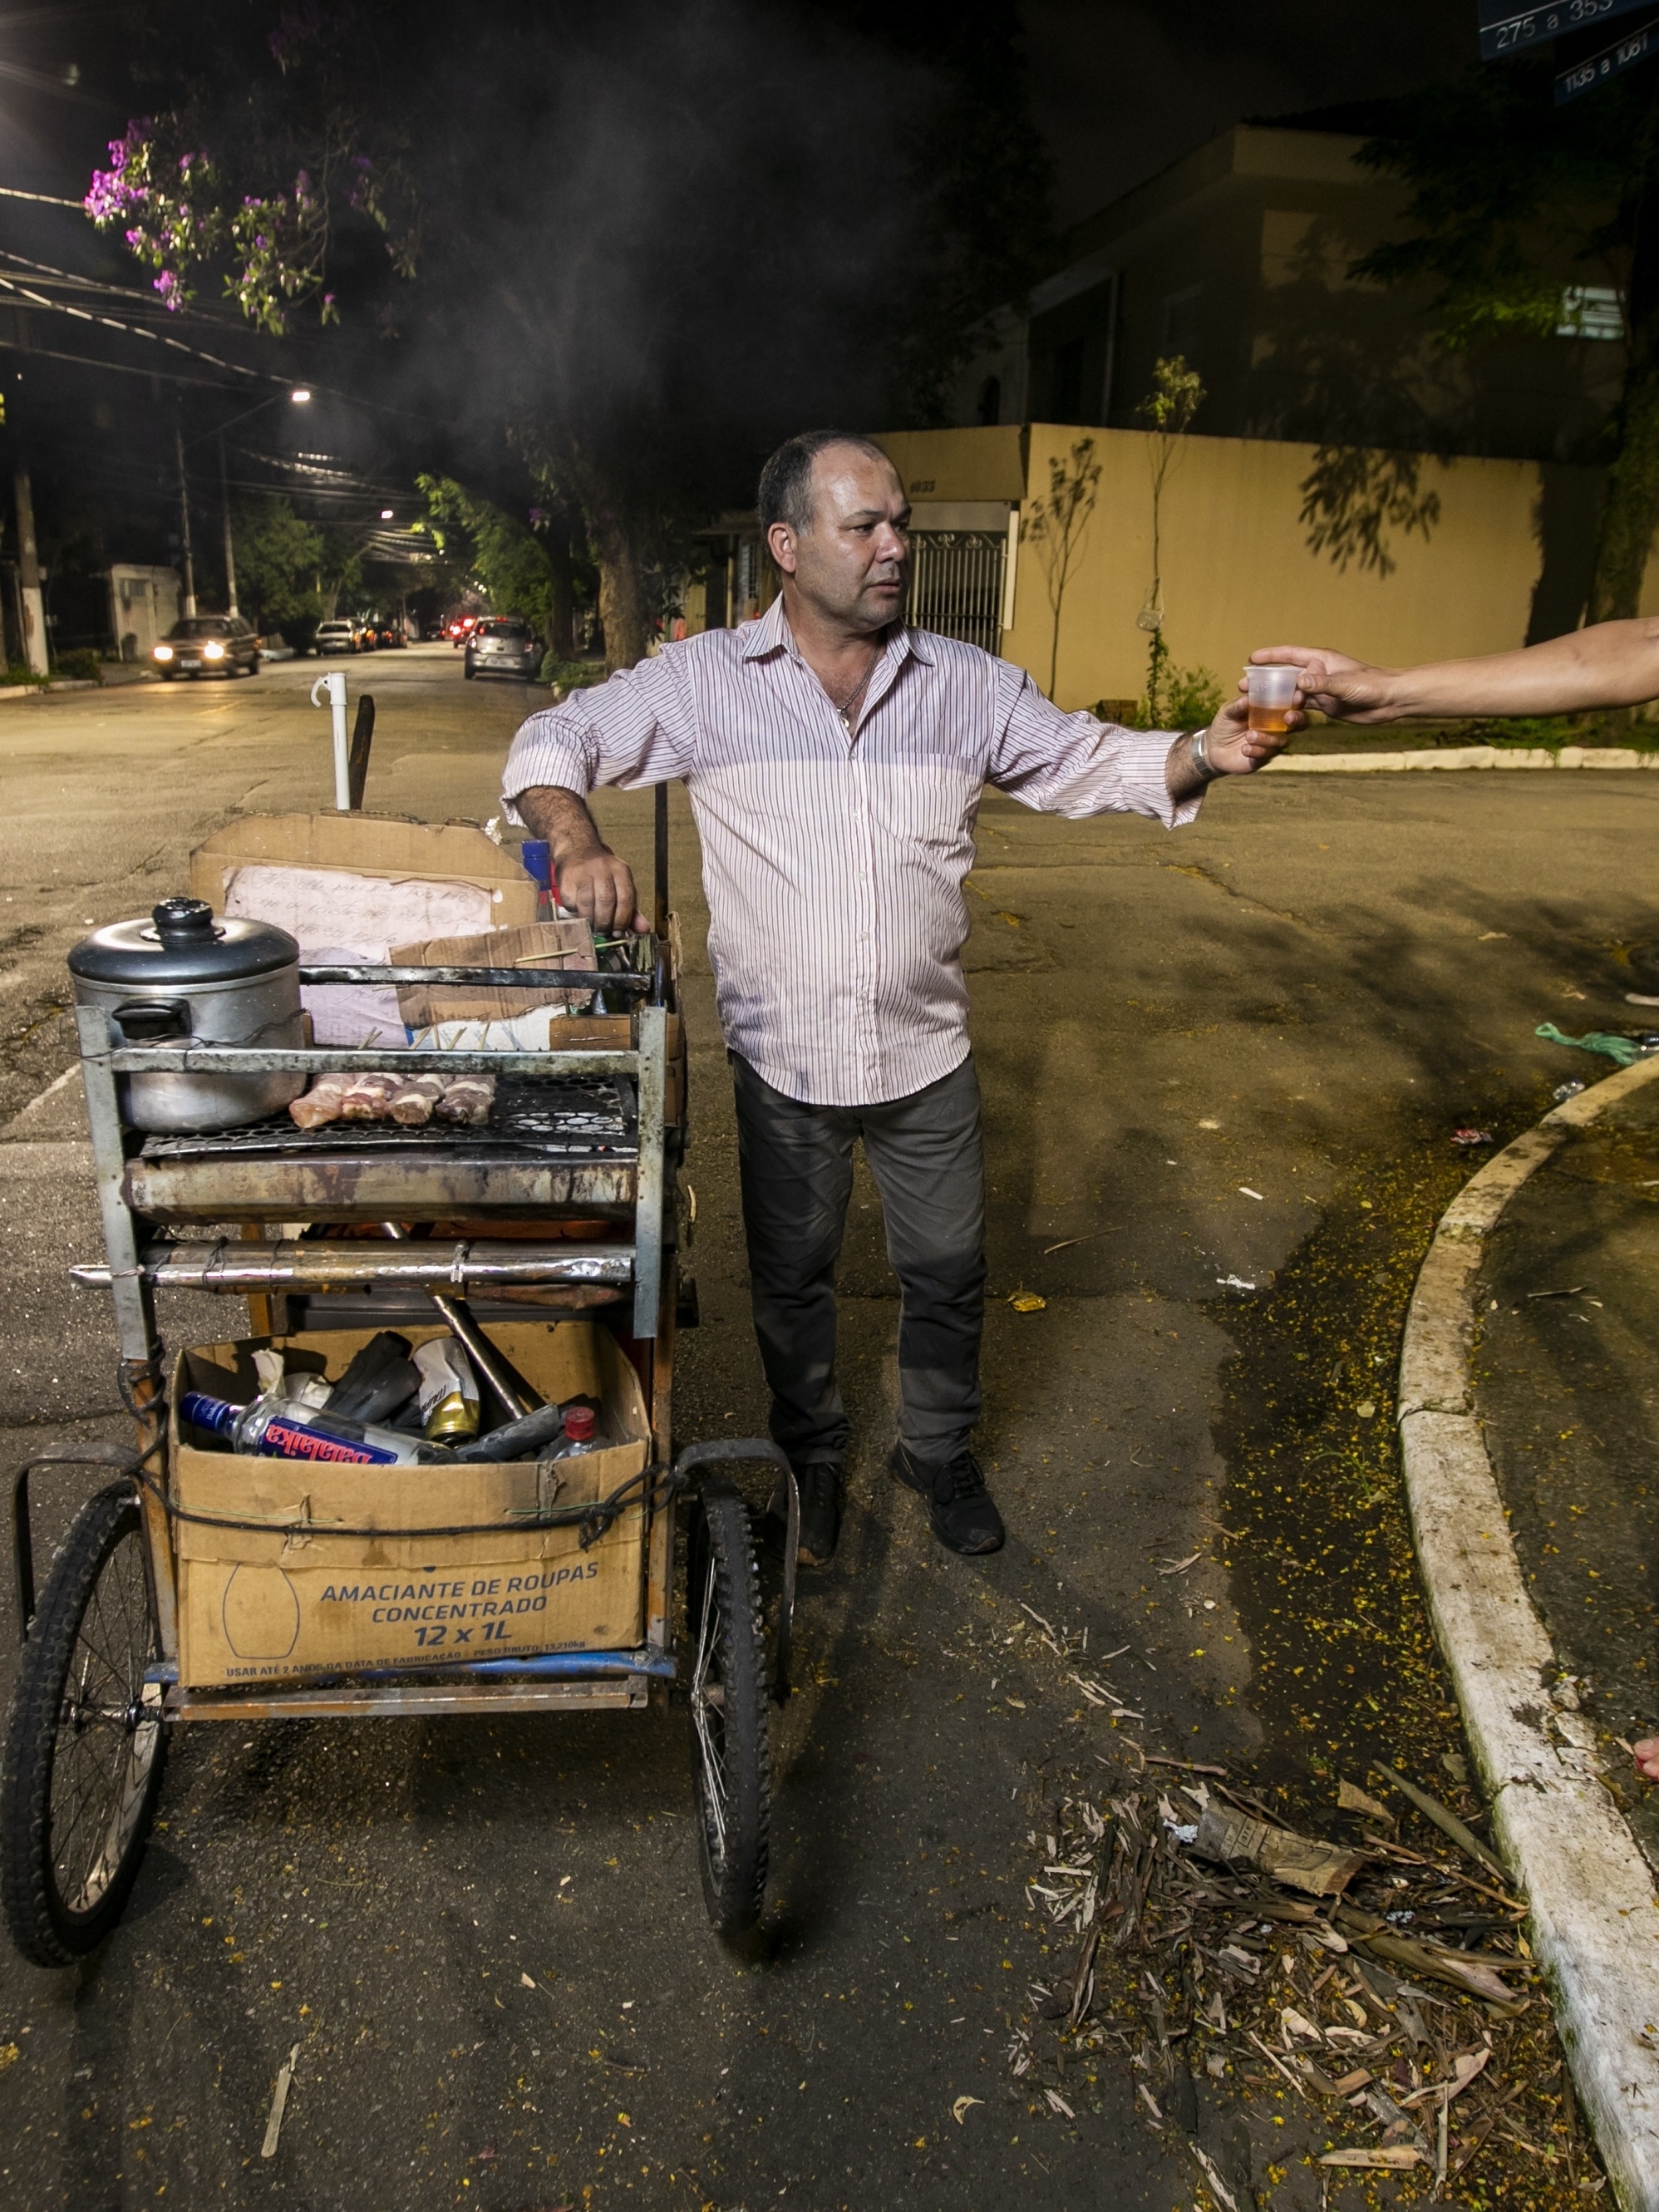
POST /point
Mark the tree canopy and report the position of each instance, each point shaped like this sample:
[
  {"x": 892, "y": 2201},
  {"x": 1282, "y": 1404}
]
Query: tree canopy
[
  {"x": 645, "y": 242},
  {"x": 1516, "y": 205}
]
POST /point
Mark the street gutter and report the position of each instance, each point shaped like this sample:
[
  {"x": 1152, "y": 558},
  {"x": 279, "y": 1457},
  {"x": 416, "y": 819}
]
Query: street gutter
[{"x": 1594, "y": 1925}]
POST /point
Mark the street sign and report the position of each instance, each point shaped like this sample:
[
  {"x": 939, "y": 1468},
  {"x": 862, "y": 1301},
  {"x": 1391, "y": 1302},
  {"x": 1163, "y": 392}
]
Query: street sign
[
  {"x": 1585, "y": 76},
  {"x": 1507, "y": 29}
]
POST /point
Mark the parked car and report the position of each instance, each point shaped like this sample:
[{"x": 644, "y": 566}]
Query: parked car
[
  {"x": 502, "y": 645},
  {"x": 208, "y": 645},
  {"x": 460, "y": 628},
  {"x": 336, "y": 636}
]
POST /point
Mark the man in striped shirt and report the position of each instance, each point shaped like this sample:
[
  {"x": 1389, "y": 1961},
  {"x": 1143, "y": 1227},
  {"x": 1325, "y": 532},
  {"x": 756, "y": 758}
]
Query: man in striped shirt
[{"x": 835, "y": 761}]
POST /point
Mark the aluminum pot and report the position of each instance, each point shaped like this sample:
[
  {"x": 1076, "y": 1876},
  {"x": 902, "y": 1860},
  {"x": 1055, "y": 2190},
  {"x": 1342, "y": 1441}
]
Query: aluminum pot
[{"x": 179, "y": 975}]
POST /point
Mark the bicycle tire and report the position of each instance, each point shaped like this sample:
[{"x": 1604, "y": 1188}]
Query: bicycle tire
[
  {"x": 76, "y": 1712},
  {"x": 730, "y": 1721}
]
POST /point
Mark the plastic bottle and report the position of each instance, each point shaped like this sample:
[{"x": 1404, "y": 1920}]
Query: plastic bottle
[
  {"x": 288, "y": 1428},
  {"x": 580, "y": 1434}
]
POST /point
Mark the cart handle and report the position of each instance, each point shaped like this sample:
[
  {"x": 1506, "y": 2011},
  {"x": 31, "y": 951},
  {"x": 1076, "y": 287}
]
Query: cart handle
[
  {"x": 729, "y": 1448},
  {"x": 121, "y": 1459},
  {"x": 487, "y": 979}
]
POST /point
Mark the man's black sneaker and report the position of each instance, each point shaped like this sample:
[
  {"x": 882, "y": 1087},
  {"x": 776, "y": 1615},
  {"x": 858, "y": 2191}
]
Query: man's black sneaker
[
  {"x": 822, "y": 1486},
  {"x": 959, "y": 1505}
]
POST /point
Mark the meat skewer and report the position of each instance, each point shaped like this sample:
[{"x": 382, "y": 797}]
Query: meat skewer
[
  {"x": 322, "y": 1103},
  {"x": 413, "y": 1101},
  {"x": 369, "y": 1097},
  {"x": 468, "y": 1100}
]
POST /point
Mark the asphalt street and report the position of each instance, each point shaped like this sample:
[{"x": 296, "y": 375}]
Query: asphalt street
[{"x": 1210, "y": 1061}]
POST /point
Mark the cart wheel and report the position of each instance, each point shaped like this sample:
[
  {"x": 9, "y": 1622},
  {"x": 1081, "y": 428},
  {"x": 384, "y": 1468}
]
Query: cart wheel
[
  {"x": 731, "y": 1752},
  {"x": 82, "y": 1762}
]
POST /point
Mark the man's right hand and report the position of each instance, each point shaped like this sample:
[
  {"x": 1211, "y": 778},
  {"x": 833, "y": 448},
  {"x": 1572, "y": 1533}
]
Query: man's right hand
[
  {"x": 1346, "y": 689},
  {"x": 600, "y": 888},
  {"x": 587, "y": 877}
]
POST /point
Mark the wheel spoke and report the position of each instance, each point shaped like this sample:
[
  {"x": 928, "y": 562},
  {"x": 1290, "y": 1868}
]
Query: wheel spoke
[{"x": 103, "y": 1752}]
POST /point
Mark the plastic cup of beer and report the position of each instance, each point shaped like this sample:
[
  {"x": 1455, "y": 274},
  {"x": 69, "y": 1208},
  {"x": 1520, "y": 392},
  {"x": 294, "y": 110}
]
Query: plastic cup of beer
[{"x": 1272, "y": 689}]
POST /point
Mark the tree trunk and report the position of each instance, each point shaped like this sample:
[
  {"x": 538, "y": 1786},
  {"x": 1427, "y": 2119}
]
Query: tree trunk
[
  {"x": 622, "y": 596},
  {"x": 561, "y": 614},
  {"x": 1630, "y": 514}
]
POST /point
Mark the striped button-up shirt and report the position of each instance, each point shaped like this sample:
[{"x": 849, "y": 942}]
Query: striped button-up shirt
[{"x": 834, "y": 861}]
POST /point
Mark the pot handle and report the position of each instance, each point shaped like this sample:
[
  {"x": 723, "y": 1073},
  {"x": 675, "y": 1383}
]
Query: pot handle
[{"x": 152, "y": 1021}]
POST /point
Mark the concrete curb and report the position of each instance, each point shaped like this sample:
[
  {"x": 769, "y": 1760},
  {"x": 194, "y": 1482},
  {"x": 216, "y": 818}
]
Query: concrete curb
[
  {"x": 1455, "y": 756},
  {"x": 1595, "y": 1928}
]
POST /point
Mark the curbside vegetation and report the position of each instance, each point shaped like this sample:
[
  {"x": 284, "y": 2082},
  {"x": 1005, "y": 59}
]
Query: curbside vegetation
[{"x": 1595, "y": 1924}]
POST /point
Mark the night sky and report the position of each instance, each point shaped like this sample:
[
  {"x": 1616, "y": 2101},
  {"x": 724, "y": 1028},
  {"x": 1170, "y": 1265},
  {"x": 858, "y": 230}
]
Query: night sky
[{"x": 1119, "y": 88}]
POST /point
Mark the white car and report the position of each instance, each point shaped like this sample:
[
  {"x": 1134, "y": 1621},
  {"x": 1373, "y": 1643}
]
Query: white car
[{"x": 334, "y": 637}]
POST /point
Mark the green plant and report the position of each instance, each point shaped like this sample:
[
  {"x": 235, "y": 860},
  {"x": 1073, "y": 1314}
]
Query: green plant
[
  {"x": 1054, "y": 525},
  {"x": 1189, "y": 699},
  {"x": 82, "y": 665},
  {"x": 1193, "y": 697},
  {"x": 572, "y": 675},
  {"x": 1167, "y": 411}
]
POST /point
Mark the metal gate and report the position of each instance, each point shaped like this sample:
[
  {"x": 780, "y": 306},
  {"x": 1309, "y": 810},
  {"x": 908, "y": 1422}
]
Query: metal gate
[{"x": 957, "y": 584}]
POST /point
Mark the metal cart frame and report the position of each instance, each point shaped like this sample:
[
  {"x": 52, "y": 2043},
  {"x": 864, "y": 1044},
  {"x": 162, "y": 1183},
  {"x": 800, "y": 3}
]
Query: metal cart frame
[{"x": 55, "y": 1916}]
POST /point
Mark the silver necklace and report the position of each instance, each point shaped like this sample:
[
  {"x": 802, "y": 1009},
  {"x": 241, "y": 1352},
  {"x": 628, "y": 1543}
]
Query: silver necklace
[{"x": 847, "y": 706}]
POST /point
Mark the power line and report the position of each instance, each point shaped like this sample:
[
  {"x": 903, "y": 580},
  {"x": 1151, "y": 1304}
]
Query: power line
[{"x": 42, "y": 199}]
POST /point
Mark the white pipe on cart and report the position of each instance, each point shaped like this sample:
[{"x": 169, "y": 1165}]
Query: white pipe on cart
[{"x": 333, "y": 686}]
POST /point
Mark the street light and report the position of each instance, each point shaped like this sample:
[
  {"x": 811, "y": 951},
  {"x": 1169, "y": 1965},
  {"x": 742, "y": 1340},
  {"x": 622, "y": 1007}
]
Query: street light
[
  {"x": 386, "y": 513},
  {"x": 300, "y": 397}
]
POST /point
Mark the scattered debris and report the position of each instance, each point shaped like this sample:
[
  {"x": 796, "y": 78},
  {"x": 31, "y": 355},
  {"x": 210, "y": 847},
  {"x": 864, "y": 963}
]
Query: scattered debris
[
  {"x": 1244, "y": 1191},
  {"x": 1563, "y": 1092},
  {"x": 1468, "y": 1139},
  {"x": 1180, "y": 1566},
  {"x": 1027, "y": 1302},
  {"x": 1352, "y": 1799},
  {"x": 1566, "y": 1291},
  {"x": 279, "y": 2104},
  {"x": 1234, "y": 1283},
  {"x": 1238, "y": 1839},
  {"x": 1447, "y": 1823},
  {"x": 1388, "y": 1997},
  {"x": 959, "y": 2110},
  {"x": 1622, "y": 1049}
]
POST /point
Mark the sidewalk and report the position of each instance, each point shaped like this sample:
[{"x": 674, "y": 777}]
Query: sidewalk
[
  {"x": 1566, "y": 1385},
  {"x": 1527, "y": 1389}
]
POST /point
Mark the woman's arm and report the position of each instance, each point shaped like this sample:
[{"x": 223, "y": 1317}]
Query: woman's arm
[{"x": 1615, "y": 663}]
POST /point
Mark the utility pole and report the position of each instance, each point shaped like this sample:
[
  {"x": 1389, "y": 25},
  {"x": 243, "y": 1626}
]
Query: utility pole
[
  {"x": 33, "y": 601},
  {"x": 184, "y": 520},
  {"x": 231, "y": 607}
]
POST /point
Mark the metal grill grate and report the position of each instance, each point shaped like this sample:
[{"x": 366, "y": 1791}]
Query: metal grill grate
[{"x": 955, "y": 584}]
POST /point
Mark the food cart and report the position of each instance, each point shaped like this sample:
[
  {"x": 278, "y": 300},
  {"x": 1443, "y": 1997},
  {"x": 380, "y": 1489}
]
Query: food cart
[{"x": 199, "y": 1586}]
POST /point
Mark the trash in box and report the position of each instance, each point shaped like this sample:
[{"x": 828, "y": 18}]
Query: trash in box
[{"x": 290, "y": 1566}]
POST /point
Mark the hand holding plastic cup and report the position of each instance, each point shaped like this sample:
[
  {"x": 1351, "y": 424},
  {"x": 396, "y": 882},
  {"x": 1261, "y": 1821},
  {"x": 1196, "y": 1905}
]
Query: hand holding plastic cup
[{"x": 1272, "y": 690}]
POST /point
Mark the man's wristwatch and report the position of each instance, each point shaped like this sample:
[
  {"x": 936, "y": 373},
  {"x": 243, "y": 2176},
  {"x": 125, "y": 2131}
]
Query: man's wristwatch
[{"x": 1199, "y": 754}]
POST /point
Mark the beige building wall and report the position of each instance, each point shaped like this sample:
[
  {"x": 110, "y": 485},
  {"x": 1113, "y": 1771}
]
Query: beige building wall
[{"x": 1237, "y": 573}]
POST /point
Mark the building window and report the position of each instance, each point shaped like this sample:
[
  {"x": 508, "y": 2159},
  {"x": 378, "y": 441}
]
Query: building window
[
  {"x": 1590, "y": 311},
  {"x": 1179, "y": 328},
  {"x": 990, "y": 401}
]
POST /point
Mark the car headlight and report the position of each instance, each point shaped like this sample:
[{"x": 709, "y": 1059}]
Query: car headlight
[
  {"x": 164, "y": 653},
  {"x": 211, "y": 652}
]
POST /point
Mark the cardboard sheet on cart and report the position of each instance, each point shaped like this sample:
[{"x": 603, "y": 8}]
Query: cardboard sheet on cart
[
  {"x": 289, "y": 1598},
  {"x": 347, "y": 887}
]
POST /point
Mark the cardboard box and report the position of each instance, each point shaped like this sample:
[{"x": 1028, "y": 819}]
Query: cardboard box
[
  {"x": 347, "y": 887},
  {"x": 289, "y": 1599},
  {"x": 544, "y": 945},
  {"x": 369, "y": 845}
]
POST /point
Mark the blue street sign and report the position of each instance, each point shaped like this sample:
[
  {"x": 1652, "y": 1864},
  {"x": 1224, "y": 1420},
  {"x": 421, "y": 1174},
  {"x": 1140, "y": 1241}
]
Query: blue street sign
[
  {"x": 1585, "y": 76},
  {"x": 1507, "y": 29}
]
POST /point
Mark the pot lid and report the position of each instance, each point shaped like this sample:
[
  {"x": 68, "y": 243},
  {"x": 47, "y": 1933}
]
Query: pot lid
[{"x": 182, "y": 943}]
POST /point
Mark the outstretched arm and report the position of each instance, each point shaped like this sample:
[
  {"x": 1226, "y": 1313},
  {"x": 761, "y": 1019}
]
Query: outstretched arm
[{"x": 1615, "y": 663}]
